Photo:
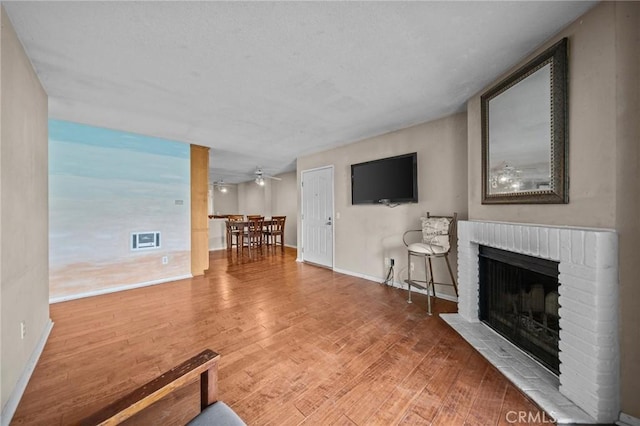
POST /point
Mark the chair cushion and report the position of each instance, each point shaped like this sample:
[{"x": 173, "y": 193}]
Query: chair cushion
[
  {"x": 217, "y": 414},
  {"x": 435, "y": 234},
  {"x": 426, "y": 248}
]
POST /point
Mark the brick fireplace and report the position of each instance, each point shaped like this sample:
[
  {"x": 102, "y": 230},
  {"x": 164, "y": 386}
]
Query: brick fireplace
[{"x": 587, "y": 387}]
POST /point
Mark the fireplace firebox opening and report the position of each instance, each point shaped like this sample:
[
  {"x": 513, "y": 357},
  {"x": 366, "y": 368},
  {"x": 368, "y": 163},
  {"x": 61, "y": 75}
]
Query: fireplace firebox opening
[{"x": 519, "y": 300}]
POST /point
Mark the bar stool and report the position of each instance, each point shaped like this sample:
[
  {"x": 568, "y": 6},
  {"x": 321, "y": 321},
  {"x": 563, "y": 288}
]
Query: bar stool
[{"x": 437, "y": 232}]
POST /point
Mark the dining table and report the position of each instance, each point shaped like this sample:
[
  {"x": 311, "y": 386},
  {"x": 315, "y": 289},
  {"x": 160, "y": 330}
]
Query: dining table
[{"x": 241, "y": 226}]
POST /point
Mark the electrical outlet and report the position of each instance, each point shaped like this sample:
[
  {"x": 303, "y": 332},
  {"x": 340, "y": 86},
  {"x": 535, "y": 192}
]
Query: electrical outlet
[
  {"x": 392, "y": 262},
  {"x": 165, "y": 260},
  {"x": 23, "y": 330},
  {"x": 387, "y": 263},
  {"x": 412, "y": 267}
]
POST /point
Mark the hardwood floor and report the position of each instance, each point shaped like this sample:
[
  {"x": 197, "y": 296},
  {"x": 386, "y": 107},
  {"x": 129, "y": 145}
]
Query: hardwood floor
[{"x": 300, "y": 345}]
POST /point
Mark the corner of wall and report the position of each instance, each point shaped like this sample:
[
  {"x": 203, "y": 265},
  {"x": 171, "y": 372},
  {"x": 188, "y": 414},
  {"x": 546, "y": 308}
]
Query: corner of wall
[
  {"x": 2, "y": 12},
  {"x": 24, "y": 260},
  {"x": 628, "y": 197},
  {"x": 9, "y": 408}
]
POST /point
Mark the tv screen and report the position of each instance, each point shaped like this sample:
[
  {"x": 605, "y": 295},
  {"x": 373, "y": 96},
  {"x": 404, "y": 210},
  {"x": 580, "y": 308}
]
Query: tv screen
[{"x": 386, "y": 181}]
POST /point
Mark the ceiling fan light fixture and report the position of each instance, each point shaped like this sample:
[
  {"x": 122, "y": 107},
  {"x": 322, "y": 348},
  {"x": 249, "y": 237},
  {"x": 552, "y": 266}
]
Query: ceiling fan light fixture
[
  {"x": 221, "y": 186},
  {"x": 260, "y": 176}
]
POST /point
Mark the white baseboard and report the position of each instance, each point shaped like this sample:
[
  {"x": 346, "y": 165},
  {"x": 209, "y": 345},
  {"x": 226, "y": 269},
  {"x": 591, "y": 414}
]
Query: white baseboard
[
  {"x": 217, "y": 248},
  {"x": 119, "y": 288},
  {"x": 358, "y": 275},
  {"x": 225, "y": 247},
  {"x": 627, "y": 420},
  {"x": 10, "y": 407},
  {"x": 396, "y": 284}
]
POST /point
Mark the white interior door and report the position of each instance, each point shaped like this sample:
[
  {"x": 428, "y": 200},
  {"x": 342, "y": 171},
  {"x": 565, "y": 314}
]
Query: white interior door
[{"x": 317, "y": 216}]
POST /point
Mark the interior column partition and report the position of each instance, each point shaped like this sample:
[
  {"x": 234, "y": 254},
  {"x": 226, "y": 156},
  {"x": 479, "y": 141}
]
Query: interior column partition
[{"x": 199, "y": 218}]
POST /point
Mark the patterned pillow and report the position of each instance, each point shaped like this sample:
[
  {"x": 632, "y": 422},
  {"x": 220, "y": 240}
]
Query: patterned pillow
[{"x": 435, "y": 232}]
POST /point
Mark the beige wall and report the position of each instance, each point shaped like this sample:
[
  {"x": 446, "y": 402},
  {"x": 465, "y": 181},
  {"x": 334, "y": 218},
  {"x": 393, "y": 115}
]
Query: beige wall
[
  {"x": 592, "y": 125},
  {"x": 284, "y": 203},
  {"x": 603, "y": 158},
  {"x": 225, "y": 202},
  {"x": 24, "y": 224},
  {"x": 366, "y": 234},
  {"x": 255, "y": 199},
  {"x": 628, "y": 197}
]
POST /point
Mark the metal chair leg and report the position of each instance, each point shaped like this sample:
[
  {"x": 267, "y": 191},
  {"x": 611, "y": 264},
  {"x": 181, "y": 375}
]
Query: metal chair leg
[
  {"x": 453, "y": 280},
  {"x": 428, "y": 277},
  {"x": 409, "y": 275}
]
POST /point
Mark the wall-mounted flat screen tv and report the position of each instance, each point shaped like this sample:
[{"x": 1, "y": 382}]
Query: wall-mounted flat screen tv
[{"x": 390, "y": 180}]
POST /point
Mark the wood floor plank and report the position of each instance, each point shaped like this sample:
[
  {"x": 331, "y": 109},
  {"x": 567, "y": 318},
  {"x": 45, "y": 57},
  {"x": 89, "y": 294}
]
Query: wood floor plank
[
  {"x": 526, "y": 412},
  {"x": 405, "y": 393},
  {"x": 453, "y": 359},
  {"x": 404, "y": 360},
  {"x": 413, "y": 419},
  {"x": 299, "y": 345},
  {"x": 488, "y": 403},
  {"x": 283, "y": 415},
  {"x": 341, "y": 378},
  {"x": 462, "y": 393}
]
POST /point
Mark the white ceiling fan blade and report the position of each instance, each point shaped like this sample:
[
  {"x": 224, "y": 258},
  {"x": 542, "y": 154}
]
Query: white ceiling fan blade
[{"x": 260, "y": 174}]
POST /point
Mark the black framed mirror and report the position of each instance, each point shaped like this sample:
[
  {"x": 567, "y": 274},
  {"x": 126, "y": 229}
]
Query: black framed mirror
[{"x": 524, "y": 133}]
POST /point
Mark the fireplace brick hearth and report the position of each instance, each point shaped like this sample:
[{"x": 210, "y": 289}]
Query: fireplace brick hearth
[{"x": 588, "y": 289}]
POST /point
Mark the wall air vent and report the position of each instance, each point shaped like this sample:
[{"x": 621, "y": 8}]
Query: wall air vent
[{"x": 145, "y": 240}]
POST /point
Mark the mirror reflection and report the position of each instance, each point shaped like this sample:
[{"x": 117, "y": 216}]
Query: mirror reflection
[
  {"x": 524, "y": 133},
  {"x": 520, "y": 148}
]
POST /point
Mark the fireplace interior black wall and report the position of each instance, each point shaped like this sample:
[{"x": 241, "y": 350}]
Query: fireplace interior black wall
[{"x": 519, "y": 299}]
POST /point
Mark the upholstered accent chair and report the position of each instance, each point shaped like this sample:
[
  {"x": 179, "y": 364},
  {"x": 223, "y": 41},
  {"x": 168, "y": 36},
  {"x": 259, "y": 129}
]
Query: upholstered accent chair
[{"x": 202, "y": 367}]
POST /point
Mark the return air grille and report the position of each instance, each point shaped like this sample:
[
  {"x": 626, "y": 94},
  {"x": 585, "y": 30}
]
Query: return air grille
[{"x": 145, "y": 240}]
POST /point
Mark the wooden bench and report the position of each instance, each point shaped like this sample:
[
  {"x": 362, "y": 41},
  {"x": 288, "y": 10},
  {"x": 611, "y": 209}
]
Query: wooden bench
[{"x": 212, "y": 411}]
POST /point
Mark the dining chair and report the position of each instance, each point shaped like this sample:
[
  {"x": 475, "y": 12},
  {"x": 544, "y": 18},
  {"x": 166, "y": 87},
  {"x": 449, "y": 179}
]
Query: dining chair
[
  {"x": 437, "y": 233},
  {"x": 234, "y": 229},
  {"x": 274, "y": 230},
  {"x": 252, "y": 216},
  {"x": 253, "y": 233}
]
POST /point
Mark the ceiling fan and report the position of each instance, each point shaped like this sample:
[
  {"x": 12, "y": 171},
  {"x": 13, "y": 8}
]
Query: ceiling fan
[
  {"x": 220, "y": 186},
  {"x": 260, "y": 176}
]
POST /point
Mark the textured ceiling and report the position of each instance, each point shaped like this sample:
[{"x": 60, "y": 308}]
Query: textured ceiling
[{"x": 262, "y": 83}]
